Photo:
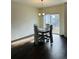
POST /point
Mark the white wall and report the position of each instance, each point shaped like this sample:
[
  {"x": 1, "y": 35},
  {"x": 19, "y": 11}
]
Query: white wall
[{"x": 23, "y": 18}]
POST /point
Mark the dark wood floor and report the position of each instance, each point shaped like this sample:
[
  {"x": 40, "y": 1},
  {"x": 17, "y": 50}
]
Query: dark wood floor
[{"x": 58, "y": 50}]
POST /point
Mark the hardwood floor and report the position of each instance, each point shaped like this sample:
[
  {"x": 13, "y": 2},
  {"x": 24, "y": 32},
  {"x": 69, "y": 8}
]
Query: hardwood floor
[{"x": 58, "y": 50}]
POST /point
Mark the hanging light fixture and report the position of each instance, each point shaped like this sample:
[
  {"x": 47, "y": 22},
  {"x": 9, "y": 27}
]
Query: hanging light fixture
[{"x": 42, "y": 13}]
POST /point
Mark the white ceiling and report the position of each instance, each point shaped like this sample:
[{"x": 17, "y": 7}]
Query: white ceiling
[{"x": 37, "y": 3}]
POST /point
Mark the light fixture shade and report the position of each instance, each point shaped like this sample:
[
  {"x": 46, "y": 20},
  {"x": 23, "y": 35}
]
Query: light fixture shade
[
  {"x": 43, "y": 13},
  {"x": 39, "y": 14}
]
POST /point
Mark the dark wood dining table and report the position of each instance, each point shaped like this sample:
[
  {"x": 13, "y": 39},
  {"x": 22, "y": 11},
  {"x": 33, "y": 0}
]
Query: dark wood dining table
[{"x": 43, "y": 31}]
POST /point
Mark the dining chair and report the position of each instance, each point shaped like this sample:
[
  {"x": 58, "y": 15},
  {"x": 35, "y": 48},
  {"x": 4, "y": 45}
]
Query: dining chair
[
  {"x": 51, "y": 36},
  {"x": 35, "y": 35}
]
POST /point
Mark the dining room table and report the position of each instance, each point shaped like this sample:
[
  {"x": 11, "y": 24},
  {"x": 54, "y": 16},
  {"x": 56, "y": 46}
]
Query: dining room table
[{"x": 42, "y": 33}]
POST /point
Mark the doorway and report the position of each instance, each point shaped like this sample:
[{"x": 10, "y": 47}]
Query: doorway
[{"x": 53, "y": 19}]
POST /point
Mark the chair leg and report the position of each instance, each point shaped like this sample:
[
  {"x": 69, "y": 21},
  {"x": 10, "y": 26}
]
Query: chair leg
[
  {"x": 51, "y": 39},
  {"x": 47, "y": 40}
]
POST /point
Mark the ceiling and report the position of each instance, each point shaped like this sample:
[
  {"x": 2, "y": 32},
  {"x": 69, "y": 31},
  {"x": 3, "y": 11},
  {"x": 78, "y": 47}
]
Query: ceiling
[{"x": 38, "y": 4}]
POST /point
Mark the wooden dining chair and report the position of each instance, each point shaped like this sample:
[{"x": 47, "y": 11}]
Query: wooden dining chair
[
  {"x": 50, "y": 32},
  {"x": 35, "y": 35},
  {"x": 48, "y": 35}
]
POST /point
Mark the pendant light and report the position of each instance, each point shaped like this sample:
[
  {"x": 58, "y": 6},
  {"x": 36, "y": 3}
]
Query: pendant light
[{"x": 42, "y": 13}]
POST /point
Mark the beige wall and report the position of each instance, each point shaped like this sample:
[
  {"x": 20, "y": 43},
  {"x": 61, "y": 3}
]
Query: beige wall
[
  {"x": 23, "y": 18},
  {"x": 59, "y": 9}
]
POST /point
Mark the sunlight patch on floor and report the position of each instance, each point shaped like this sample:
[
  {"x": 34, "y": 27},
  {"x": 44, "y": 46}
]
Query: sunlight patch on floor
[{"x": 22, "y": 42}]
